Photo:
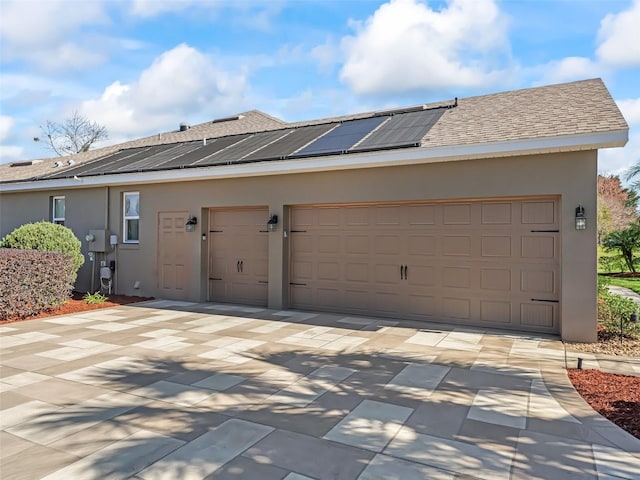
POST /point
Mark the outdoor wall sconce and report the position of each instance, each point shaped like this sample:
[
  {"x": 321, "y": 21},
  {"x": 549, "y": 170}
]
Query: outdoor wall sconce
[
  {"x": 190, "y": 226},
  {"x": 581, "y": 220},
  {"x": 272, "y": 224}
]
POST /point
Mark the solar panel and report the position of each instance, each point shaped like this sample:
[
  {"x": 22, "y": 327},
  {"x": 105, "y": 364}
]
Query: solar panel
[
  {"x": 239, "y": 150},
  {"x": 288, "y": 144},
  {"x": 98, "y": 164},
  {"x": 341, "y": 138},
  {"x": 211, "y": 148},
  {"x": 170, "y": 152},
  {"x": 402, "y": 130}
]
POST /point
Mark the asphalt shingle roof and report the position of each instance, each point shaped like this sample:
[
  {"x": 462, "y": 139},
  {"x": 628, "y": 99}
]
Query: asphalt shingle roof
[{"x": 583, "y": 107}]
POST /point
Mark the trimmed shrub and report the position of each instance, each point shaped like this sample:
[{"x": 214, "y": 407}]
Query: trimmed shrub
[
  {"x": 614, "y": 313},
  {"x": 32, "y": 281},
  {"x": 46, "y": 236}
]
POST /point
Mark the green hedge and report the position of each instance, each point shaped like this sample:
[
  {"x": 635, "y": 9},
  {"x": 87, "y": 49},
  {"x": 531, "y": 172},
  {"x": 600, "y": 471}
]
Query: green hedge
[
  {"x": 32, "y": 281},
  {"x": 46, "y": 236}
]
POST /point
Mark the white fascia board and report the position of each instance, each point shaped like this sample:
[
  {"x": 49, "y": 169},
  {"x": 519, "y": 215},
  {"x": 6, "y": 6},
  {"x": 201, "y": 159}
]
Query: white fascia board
[{"x": 384, "y": 158}]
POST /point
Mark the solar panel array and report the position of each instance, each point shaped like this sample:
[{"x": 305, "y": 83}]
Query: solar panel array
[{"x": 380, "y": 132}]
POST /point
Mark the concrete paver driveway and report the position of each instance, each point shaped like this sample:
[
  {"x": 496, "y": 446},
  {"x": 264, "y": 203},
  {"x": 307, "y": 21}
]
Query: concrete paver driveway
[{"x": 174, "y": 390}]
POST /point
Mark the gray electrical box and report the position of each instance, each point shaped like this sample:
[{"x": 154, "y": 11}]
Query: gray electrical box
[{"x": 100, "y": 242}]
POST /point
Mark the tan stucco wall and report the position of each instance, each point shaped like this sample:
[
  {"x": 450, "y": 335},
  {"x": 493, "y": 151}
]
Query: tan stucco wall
[{"x": 571, "y": 176}]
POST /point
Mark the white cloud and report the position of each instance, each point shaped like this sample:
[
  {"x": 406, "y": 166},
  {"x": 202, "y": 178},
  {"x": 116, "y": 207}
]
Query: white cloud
[
  {"x": 618, "y": 37},
  {"x": 39, "y": 32},
  {"x": 617, "y": 161},
  {"x": 630, "y": 108},
  {"x": 181, "y": 85},
  {"x": 151, "y": 8},
  {"x": 406, "y": 45},
  {"x": 7, "y": 152},
  {"x": 6, "y": 123},
  {"x": 568, "y": 69}
]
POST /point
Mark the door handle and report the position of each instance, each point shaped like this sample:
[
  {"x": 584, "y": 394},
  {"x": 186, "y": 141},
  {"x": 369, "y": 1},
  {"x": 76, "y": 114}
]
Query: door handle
[
  {"x": 406, "y": 268},
  {"x": 238, "y": 266},
  {"x": 401, "y": 272},
  {"x": 241, "y": 266}
]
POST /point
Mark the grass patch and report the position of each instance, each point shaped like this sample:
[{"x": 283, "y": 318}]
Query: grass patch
[{"x": 632, "y": 283}]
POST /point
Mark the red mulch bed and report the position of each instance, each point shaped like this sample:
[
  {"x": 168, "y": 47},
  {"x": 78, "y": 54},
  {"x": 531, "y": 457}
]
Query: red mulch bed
[
  {"x": 75, "y": 304},
  {"x": 622, "y": 274},
  {"x": 615, "y": 397}
]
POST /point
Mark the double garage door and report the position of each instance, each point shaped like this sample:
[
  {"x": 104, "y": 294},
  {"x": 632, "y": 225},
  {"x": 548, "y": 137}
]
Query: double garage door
[{"x": 491, "y": 263}]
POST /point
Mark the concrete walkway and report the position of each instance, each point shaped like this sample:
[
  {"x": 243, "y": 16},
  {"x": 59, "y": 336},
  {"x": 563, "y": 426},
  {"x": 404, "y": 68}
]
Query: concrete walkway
[{"x": 174, "y": 390}]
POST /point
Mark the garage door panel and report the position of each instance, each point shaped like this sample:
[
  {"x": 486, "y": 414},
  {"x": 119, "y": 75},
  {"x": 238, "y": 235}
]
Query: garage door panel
[
  {"x": 420, "y": 305},
  {"x": 329, "y": 271},
  {"x": 388, "y": 302},
  {"x": 357, "y": 272},
  {"x": 303, "y": 217},
  {"x": 328, "y": 244},
  {"x": 423, "y": 214},
  {"x": 301, "y": 271},
  {"x": 473, "y": 263},
  {"x": 538, "y": 246},
  {"x": 421, "y": 275},
  {"x": 458, "y": 245},
  {"x": 456, "y": 277},
  {"x": 497, "y": 279},
  {"x": 496, "y": 214},
  {"x": 388, "y": 244},
  {"x": 538, "y": 282},
  {"x": 329, "y": 217},
  {"x": 458, "y": 214},
  {"x": 357, "y": 244},
  {"x": 357, "y": 216},
  {"x": 389, "y": 216},
  {"x": 422, "y": 245},
  {"x": 388, "y": 273},
  {"x": 459, "y": 308},
  {"x": 496, "y": 246},
  {"x": 495, "y": 312},
  {"x": 304, "y": 244},
  {"x": 538, "y": 213},
  {"x": 538, "y": 314}
]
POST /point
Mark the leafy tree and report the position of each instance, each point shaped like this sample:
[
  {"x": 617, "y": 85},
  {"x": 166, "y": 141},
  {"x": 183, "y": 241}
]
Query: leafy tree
[
  {"x": 617, "y": 206},
  {"x": 626, "y": 241},
  {"x": 46, "y": 236},
  {"x": 74, "y": 135},
  {"x": 634, "y": 172}
]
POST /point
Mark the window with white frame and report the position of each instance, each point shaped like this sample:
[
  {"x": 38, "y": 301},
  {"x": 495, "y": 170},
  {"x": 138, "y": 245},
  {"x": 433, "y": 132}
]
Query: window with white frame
[
  {"x": 131, "y": 217},
  {"x": 57, "y": 210}
]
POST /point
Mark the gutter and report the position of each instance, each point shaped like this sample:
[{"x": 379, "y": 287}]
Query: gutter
[{"x": 384, "y": 158}]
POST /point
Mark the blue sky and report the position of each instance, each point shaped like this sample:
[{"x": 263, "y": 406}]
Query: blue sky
[{"x": 144, "y": 66}]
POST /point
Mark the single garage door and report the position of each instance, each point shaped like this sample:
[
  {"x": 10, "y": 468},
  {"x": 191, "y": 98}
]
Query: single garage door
[
  {"x": 238, "y": 256},
  {"x": 491, "y": 263}
]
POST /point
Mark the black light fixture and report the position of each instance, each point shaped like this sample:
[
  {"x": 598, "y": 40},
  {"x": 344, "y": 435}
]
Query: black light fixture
[
  {"x": 272, "y": 224},
  {"x": 581, "y": 219},
  {"x": 190, "y": 226}
]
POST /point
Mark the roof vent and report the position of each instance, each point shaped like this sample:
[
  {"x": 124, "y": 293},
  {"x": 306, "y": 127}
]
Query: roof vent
[
  {"x": 58, "y": 164},
  {"x": 25, "y": 163},
  {"x": 184, "y": 127},
  {"x": 227, "y": 119},
  {"x": 71, "y": 162}
]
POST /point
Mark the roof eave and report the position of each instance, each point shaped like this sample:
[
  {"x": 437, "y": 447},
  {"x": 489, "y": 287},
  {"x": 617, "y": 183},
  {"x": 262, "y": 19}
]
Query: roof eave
[{"x": 425, "y": 154}]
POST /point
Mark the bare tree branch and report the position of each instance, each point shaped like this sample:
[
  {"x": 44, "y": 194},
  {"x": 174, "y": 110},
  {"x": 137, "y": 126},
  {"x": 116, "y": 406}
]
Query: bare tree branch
[{"x": 76, "y": 134}]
